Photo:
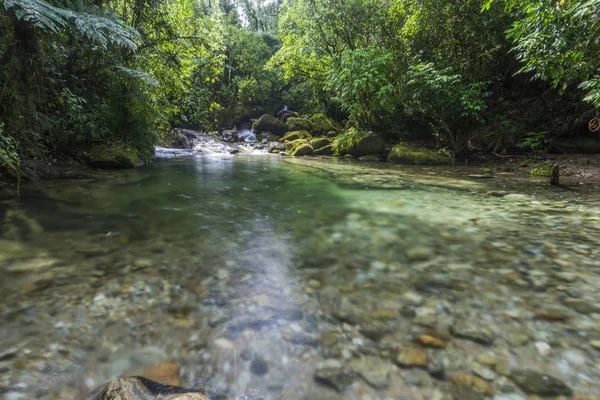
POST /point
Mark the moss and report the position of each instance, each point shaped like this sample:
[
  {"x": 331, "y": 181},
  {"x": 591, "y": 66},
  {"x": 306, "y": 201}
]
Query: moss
[
  {"x": 296, "y": 135},
  {"x": 357, "y": 143},
  {"x": 322, "y": 124},
  {"x": 324, "y": 151},
  {"x": 299, "y": 124},
  {"x": 288, "y": 115},
  {"x": 268, "y": 123},
  {"x": 485, "y": 170},
  {"x": 402, "y": 153},
  {"x": 544, "y": 170},
  {"x": 302, "y": 150},
  {"x": 290, "y": 146},
  {"x": 318, "y": 143},
  {"x": 114, "y": 156}
]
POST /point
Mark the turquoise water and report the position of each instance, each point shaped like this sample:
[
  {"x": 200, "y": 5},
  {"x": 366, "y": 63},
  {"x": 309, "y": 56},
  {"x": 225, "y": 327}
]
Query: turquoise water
[{"x": 269, "y": 278}]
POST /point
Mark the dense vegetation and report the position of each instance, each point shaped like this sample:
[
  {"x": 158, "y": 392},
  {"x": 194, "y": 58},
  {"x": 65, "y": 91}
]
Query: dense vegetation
[{"x": 472, "y": 75}]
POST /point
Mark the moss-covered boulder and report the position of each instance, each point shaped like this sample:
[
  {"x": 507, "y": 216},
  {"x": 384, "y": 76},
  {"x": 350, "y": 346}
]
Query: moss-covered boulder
[
  {"x": 357, "y": 143},
  {"x": 268, "y": 123},
  {"x": 299, "y": 124},
  {"x": 332, "y": 134},
  {"x": 289, "y": 115},
  {"x": 296, "y": 135},
  {"x": 303, "y": 150},
  {"x": 322, "y": 124},
  {"x": 551, "y": 171},
  {"x": 114, "y": 156},
  {"x": 275, "y": 147},
  {"x": 324, "y": 151},
  {"x": 290, "y": 146},
  {"x": 405, "y": 154},
  {"x": 267, "y": 135},
  {"x": 318, "y": 143}
]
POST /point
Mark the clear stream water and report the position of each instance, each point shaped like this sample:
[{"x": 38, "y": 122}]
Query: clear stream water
[{"x": 301, "y": 279}]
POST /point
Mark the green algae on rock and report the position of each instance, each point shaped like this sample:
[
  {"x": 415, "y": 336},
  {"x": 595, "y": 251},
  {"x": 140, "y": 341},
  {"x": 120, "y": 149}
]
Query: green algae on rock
[
  {"x": 322, "y": 124},
  {"x": 319, "y": 143},
  {"x": 268, "y": 123},
  {"x": 299, "y": 124},
  {"x": 404, "y": 154},
  {"x": 357, "y": 143},
  {"x": 114, "y": 156},
  {"x": 296, "y": 135}
]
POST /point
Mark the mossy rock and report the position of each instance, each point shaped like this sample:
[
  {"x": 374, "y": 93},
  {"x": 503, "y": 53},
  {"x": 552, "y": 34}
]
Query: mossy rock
[
  {"x": 324, "y": 151},
  {"x": 289, "y": 115},
  {"x": 404, "y": 154},
  {"x": 296, "y": 135},
  {"x": 299, "y": 124},
  {"x": 302, "y": 150},
  {"x": 544, "y": 170},
  {"x": 318, "y": 143},
  {"x": 290, "y": 146},
  {"x": 268, "y": 123},
  {"x": 322, "y": 124},
  {"x": 357, "y": 143},
  {"x": 485, "y": 170},
  {"x": 332, "y": 134},
  {"x": 114, "y": 156}
]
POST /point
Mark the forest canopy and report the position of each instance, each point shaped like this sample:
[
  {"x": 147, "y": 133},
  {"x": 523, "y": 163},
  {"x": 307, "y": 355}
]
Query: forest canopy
[{"x": 471, "y": 76}]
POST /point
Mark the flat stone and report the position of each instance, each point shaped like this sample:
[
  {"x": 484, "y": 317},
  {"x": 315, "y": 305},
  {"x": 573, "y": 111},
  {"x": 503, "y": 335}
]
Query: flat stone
[
  {"x": 417, "y": 377},
  {"x": 412, "y": 357},
  {"x": 533, "y": 382},
  {"x": 332, "y": 373},
  {"x": 375, "y": 329},
  {"x": 477, "y": 384},
  {"x": 476, "y": 331},
  {"x": 483, "y": 372},
  {"x": 373, "y": 370},
  {"x": 582, "y": 306}
]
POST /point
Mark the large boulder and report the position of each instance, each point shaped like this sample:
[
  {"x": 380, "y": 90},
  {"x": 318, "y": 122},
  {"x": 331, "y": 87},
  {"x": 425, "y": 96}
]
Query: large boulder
[
  {"x": 114, "y": 156},
  {"x": 318, "y": 143},
  {"x": 303, "y": 150},
  {"x": 281, "y": 113},
  {"x": 289, "y": 115},
  {"x": 324, "y": 151},
  {"x": 291, "y": 146},
  {"x": 299, "y": 124},
  {"x": 296, "y": 135},
  {"x": 358, "y": 143},
  {"x": 268, "y": 123},
  {"x": 404, "y": 154},
  {"x": 322, "y": 124}
]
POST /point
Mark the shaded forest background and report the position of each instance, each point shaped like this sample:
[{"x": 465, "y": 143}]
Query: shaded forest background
[{"x": 471, "y": 76}]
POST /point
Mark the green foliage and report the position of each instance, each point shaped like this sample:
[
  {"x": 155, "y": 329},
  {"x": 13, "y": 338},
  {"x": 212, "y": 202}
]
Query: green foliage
[
  {"x": 9, "y": 157},
  {"x": 364, "y": 85},
  {"x": 558, "y": 42}
]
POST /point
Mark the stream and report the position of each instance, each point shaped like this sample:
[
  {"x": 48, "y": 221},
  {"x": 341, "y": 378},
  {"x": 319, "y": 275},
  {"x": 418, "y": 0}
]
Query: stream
[{"x": 266, "y": 277}]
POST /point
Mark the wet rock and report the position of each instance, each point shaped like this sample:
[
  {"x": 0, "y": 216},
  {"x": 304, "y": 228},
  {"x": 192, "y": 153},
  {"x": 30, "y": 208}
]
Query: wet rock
[
  {"x": 595, "y": 344},
  {"x": 301, "y": 338},
  {"x": 543, "y": 348},
  {"x": 533, "y": 382},
  {"x": 477, "y": 331},
  {"x": 464, "y": 392},
  {"x": 259, "y": 366},
  {"x": 483, "y": 372},
  {"x": 346, "y": 311},
  {"x": 518, "y": 339},
  {"x": 163, "y": 373},
  {"x": 496, "y": 193},
  {"x": 487, "y": 359},
  {"x": 427, "y": 340},
  {"x": 419, "y": 253},
  {"x": 373, "y": 370},
  {"x": 134, "y": 362},
  {"x": 140, "y": 389},
  {"x": 582, "y": 306},
  {"x": 358, "y": 143},
  {"x": 478, "y": 385},
  {"x": 333, "y": 374},
  {"x": 417, "y": 377},
  {"x": 412, "y": 357},
  {"x": 436, "y": 369},
  {"x": 375, "y": 329},
  {"x": 510, "y": 396},
  {"x": 8, "y": 353},
  {"x": 551, "y": 315}
]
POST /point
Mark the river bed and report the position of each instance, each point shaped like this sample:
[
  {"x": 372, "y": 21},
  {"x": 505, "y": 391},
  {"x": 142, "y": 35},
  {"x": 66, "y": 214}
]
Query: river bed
[{"x": 272, "y": 278}]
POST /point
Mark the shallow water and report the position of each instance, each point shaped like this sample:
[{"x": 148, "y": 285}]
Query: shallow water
[{"x": 300, "y": 279}]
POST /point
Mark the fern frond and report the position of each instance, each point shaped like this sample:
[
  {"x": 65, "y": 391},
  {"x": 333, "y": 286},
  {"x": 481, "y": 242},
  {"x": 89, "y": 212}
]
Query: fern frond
[{"x": 92, "y": 23}]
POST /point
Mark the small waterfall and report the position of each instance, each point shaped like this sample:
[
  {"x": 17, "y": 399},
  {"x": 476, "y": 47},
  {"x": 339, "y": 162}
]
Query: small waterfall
[{"x": 247, "y": 134}]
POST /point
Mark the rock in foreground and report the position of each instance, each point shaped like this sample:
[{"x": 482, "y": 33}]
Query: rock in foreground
[{"x": 137, "y": 388}]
